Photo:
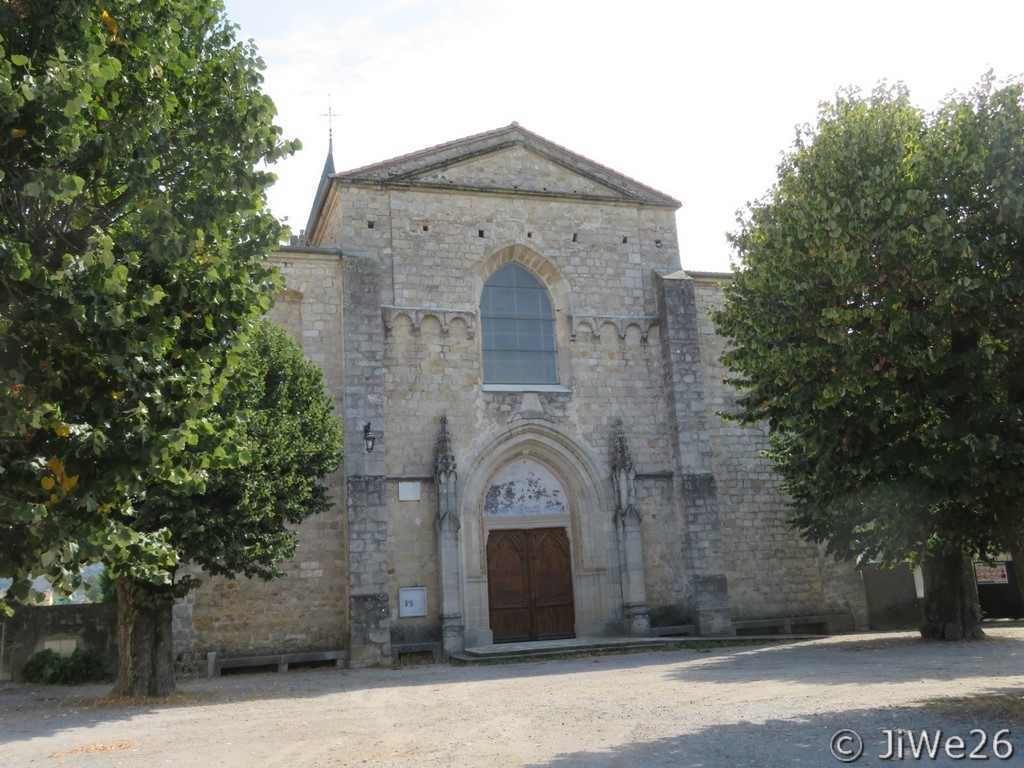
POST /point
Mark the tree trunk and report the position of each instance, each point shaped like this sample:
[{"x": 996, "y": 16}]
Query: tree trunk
[
  {"x": 144, "y": 647},
  {"x": 951, "y": 610}
]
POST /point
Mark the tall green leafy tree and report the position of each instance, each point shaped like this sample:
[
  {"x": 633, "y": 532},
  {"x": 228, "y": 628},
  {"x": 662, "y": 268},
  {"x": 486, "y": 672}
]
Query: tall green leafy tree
[
  {"x": 289, "y": 439},
  {"x": 876, "y": 325},
  {"x": 133, "y": 139},
  {"x": 243, "y": 522}
]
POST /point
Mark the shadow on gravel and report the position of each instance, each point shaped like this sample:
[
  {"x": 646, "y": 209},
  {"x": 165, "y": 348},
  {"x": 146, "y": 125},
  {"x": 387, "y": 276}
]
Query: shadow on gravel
[
  {"x": 30, "y": 711},
  {"x": 808, "y": 741},
  {"x": 875, "y": 658}
]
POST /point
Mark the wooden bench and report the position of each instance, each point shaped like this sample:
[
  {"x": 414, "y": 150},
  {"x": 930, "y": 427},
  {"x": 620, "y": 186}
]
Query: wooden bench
[
  {"x": 215, "y": 663},
  {"x": 825, "y": 624}
]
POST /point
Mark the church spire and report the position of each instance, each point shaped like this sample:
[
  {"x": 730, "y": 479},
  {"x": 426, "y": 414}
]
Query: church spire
[
  {"x": 329, "y": 164},
  {"x": 325, "y": 175}
]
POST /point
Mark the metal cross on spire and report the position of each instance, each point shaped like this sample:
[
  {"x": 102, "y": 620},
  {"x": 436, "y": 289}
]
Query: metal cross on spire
[{"x": 329, "y": 114}]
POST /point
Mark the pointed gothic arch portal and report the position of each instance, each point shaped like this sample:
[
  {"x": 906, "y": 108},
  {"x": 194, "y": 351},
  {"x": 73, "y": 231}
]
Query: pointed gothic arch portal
[{"x": 529, "y": 566}]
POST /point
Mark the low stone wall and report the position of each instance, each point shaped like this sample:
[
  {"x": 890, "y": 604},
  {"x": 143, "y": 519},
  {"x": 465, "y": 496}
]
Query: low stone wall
[{"x": 92, "y": 625}]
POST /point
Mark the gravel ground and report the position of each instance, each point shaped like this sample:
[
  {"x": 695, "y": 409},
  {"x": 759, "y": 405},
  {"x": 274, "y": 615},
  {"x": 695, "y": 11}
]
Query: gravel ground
[{"x": 768, "y": 705}]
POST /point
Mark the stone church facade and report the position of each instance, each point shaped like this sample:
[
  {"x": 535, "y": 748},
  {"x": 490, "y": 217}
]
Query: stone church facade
[{"x": 509, "y": 322}]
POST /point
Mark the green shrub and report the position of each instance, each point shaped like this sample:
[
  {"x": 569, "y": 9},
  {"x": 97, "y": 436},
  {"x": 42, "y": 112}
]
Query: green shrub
[
  {"x": 40, "y": 667},
  {"x": 50, "y": 668}
]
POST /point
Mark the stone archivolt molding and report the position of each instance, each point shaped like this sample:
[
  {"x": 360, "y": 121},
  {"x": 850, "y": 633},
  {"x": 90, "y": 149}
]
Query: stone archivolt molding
[
  {"x": 417, "y": 314},
  {"x": 581, "y": 561},
  {"x": 584, "y": 485},
  {"x": 621, "y": 323}
]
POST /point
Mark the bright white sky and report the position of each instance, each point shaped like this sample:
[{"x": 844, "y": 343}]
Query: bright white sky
[{"x": 697, "y": 101}]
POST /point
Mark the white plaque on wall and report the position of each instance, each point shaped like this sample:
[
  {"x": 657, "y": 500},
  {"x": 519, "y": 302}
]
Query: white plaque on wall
[
  {"x": 412, "y": 601},
  {"x": 408, "y": 491}
]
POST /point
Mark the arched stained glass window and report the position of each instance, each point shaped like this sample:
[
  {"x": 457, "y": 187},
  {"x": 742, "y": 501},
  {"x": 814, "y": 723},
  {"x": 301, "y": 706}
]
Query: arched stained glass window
[{"x": 518, "y": 329}]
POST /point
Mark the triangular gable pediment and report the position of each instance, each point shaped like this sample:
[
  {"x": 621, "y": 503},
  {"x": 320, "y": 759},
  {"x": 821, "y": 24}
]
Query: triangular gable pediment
[
  {"x": 511, "y": 160},
  {"x": 515, "y": 168}
]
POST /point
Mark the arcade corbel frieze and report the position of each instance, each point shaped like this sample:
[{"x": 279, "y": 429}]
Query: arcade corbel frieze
[{"x": 416, "y": 316}]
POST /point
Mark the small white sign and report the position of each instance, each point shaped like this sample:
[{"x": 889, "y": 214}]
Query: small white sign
[
  {"x": 991, "y": 574},
  {"x": 412, "y": 601},
  {"x": 408, "y": 491}
]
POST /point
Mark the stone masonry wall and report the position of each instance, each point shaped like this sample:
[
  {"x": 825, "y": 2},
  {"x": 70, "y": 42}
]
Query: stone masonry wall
[
  {"x": 664, "y": 540},
  {"x": 90, "y": 625},
  {"x": 771, "y": 570},
  {"x": 366, "y": 289},
  {"x": 597, "y": 260},
  {"x": 412, "y": 534},
  {"x": 694, "y": 487}
]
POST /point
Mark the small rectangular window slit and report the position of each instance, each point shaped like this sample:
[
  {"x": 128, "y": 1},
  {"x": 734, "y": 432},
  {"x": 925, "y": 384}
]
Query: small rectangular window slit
[
  {"x": 426, "y": 227},
  {"x": 625, "y": 239},
  {"x": 479, "y": 233},
  {"x": 574, "y": 237},
  {"x": 369, "y": 225},
  {"x": 529, "y": 234}
]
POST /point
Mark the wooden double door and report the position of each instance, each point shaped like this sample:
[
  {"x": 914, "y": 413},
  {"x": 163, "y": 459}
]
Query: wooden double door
[{"x": 529, "y": 585}]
